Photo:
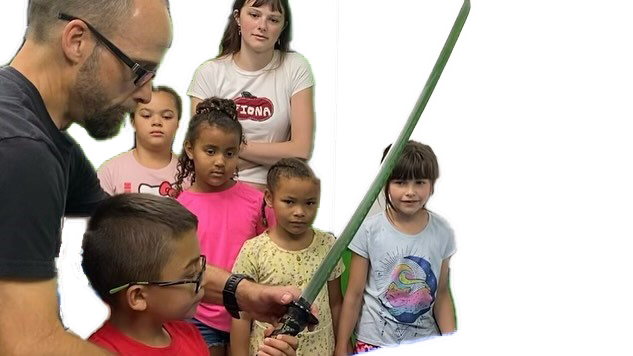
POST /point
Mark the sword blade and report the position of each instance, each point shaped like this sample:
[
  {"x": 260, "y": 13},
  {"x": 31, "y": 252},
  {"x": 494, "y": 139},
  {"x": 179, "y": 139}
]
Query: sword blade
[{"x": 327, "y": 266}]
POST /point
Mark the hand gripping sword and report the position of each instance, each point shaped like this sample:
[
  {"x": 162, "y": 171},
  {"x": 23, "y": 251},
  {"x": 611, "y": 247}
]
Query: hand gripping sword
[{"x": 298, "y": 315}]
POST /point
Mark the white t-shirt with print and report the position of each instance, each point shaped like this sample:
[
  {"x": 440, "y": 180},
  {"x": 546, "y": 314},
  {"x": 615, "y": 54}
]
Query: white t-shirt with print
[{"x": 262, "y": 97}]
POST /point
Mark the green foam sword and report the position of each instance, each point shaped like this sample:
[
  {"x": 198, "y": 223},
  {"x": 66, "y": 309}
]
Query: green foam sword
[{"x": 298, "y": 315}]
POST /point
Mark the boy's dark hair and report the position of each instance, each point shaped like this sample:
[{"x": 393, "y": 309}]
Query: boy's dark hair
[
  {"x": 417, "y": 161},
  {"x": 216, "y": 112},
  {"x": 175, "y": 94},
  {"x": 127, "y": 239},
  {"x": 293, "y": 167}
]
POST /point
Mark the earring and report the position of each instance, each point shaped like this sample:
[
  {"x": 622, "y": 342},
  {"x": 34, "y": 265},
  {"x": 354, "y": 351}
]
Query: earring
[{"x": 239, "y": 30}]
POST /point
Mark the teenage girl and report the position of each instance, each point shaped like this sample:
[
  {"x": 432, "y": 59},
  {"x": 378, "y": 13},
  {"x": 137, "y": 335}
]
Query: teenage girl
[
  {"x": 398, "y": 284},
  {"x": 229, "y": 212},
  {"x": 271, "y": 85},
  {"x": 288, "y": 254},
  {"x": 150, "y": 166}
]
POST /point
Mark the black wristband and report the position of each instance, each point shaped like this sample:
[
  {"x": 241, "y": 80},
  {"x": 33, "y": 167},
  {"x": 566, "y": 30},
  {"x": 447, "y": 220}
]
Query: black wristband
[{"x": 229, "y": 294}]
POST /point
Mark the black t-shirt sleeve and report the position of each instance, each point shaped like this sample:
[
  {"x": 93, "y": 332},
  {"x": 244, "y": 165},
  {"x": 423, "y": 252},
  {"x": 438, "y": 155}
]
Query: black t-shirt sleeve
[
  {"x": 84, "y": 190},
  {"x": 32, "y": 188}
]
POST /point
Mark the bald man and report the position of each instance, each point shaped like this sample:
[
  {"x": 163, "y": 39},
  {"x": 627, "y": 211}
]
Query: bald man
[{"x": 84, "y": 62}]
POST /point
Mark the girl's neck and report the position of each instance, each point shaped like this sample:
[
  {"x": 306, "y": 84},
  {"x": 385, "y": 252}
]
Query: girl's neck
[
  {"x": 408, "y": 224},
  {"x": 201, "y": 187},
  {"x": 289, "y": 241},
  {"x": 153, "y": 159},
  {"x": 252, "y": 61},
  {"x": 141, "y": 328}
]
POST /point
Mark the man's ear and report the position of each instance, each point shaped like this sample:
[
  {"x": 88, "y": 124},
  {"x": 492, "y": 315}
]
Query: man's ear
[{"x": 77, "y": 42}]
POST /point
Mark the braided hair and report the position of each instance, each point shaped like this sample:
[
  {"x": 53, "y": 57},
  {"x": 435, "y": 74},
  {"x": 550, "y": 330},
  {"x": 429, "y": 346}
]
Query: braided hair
[
  {"x": 287, "y": 168},
  {"x": 215, "y": 112}
]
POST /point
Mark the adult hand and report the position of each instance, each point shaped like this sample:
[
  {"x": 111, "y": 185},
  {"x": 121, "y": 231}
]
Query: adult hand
[
  {"x": 279, "y": 346},
  {"x": 265, "y": 303}
]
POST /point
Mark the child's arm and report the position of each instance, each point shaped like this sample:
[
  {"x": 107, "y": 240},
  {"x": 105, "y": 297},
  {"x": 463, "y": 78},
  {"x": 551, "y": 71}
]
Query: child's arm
[
  {"x": 240, "y": 335},
  {"x": 359, "y": 266},
  {"x": 336, "y": 301},
  {"x": 443, "y": 308}
]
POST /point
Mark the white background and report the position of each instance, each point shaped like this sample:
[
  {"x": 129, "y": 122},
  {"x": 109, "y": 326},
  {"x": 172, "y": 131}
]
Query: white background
[{"x": 531, "y": 123}]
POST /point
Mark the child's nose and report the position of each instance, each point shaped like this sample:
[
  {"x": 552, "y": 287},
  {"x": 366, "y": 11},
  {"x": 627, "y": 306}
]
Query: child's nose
[
  {"x": 219, "y": 161},
  {"x": 299, "y": 211}
]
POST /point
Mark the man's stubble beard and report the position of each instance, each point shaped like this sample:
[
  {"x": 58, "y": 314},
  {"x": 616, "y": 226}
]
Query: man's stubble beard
[{"x": 100, "y": 119}]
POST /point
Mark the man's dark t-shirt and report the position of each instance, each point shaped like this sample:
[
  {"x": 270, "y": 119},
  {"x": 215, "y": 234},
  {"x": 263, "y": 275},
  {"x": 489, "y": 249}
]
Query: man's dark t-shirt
[{"x": 44, "y": 175}]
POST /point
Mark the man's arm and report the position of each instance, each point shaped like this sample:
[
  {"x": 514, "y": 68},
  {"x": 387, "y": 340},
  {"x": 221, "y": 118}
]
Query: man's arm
[
  {"x": 29, "y": 323},
  {"x": 265, "y": 303}
]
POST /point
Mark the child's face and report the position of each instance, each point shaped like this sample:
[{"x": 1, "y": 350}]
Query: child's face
[
  {"x": 215, "y": 157},
  {"x": 260, "y": 26},
  {"x": 156, "y": 122},
  {"x": 295, "y": 202},
  {"x": 178, "y": 301},
  {"x": 409, "y": 196}
]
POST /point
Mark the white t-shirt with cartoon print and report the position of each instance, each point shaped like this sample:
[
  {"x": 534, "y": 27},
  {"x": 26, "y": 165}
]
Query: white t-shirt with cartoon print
[{"x": 262, "y": 97}]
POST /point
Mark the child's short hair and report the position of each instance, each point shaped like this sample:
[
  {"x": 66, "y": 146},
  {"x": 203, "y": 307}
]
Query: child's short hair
[
  {"x": 287, "y": 168},
  {"x": 127, "y": 239},
  {"x": 417, "y": 161}
]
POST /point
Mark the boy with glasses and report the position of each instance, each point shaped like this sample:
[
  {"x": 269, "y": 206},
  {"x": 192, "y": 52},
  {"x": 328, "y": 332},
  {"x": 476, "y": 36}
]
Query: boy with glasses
[{"x": 141, "y": 255}]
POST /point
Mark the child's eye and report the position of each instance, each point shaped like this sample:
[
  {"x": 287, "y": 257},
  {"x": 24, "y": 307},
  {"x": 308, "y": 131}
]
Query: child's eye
[
  {"x": 287, "y": 201},
  {"x": 229, "y": 154},
  {"x": 310, "y": 203},
  {"x": 210, "y": 151},
  {"x": 167, "y": 117}
]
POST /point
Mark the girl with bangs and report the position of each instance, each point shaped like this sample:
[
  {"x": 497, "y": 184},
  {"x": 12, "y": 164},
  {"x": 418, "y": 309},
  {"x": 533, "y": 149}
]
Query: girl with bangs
[
  {"x": 398, "y": 284},
  {"x": 272, "y": 86}
]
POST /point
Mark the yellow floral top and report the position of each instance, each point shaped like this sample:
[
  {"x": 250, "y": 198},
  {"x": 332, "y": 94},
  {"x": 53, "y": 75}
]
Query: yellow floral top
[{"x": 267, "y": 263}]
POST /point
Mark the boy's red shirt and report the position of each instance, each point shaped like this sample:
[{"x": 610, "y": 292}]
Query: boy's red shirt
[{"x": 185, "y": 341}]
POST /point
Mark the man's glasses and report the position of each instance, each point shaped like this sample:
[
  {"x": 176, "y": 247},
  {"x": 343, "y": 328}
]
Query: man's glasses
[
  {"x": 142, "y": 75},
  {"x": 197, "y": 280}
]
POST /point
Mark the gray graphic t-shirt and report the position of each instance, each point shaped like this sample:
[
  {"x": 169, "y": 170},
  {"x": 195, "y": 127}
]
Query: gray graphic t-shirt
[{"x": 403, "y": 276}]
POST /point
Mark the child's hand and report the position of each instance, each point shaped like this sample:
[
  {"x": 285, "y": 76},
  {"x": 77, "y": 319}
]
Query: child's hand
[{"x": 279, "y": 346}]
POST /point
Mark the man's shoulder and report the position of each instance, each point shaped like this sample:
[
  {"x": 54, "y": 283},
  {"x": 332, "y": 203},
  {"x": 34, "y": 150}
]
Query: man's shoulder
[{"x": 18, "y": 117}]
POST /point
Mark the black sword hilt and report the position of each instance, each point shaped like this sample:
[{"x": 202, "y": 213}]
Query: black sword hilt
[{"x": 296, "y": 319}]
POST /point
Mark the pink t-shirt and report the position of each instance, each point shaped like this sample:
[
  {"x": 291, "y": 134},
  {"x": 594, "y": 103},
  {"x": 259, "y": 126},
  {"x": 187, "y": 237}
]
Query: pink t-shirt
[
  {"x": 225, "y": 220},
  {"x": 123, "y": 174}
]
